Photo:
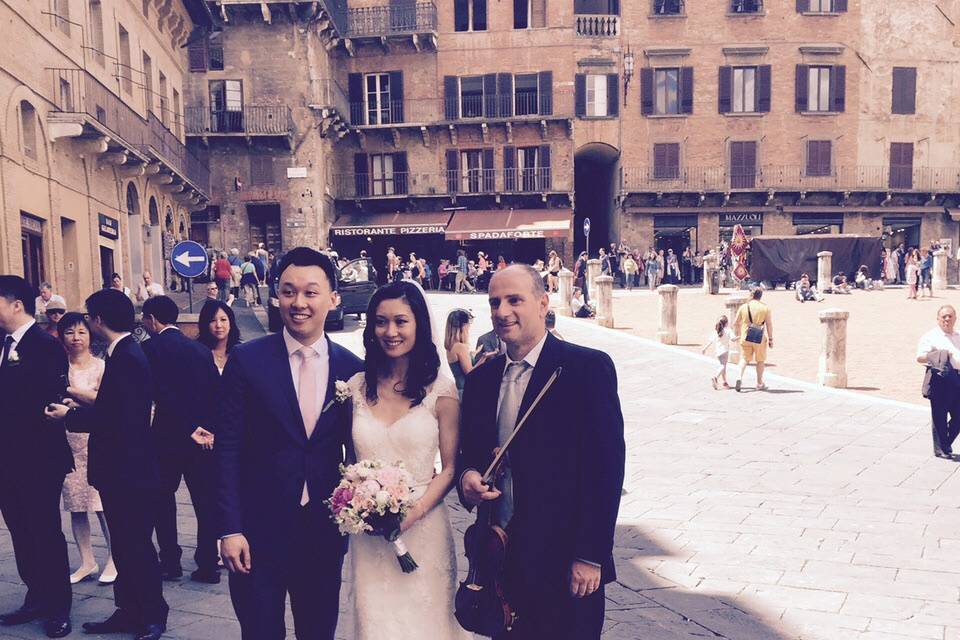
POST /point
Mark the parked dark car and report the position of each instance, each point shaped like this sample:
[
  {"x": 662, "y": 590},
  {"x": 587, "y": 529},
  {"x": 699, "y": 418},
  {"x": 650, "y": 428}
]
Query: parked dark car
[{"x": 356, "y": 282}]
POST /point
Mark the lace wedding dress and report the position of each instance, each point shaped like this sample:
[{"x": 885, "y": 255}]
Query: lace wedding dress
[{"x": 389, "y": 603}]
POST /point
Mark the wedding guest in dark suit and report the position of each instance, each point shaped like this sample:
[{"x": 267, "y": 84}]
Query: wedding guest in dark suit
[
  {"x": 280, "y": 438},
  {"x": 122, "y": 466},
  {"x": 185, "y": 383},
  {"x": 560, "y": 494},
  {"x": 34, "y": 459}
]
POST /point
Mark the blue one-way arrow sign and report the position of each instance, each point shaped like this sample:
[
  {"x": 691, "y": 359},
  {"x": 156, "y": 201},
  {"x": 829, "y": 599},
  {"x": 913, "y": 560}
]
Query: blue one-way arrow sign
[{"x": 189, "y": 259}]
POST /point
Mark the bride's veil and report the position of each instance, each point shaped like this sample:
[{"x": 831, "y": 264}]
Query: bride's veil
[{"x": 438, "y": 328}]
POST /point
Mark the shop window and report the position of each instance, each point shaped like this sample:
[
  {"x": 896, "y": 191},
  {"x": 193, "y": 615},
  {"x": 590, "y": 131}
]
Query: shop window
[
  {"x": 805, "y": 224},
  {"x": 470, "y": 15}
]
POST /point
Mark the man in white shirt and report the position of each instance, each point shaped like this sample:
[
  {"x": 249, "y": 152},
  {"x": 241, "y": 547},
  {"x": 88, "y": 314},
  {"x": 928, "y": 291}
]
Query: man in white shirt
[
  {"x": 939, "y": 351},
  {"x": 148, "y": 288},
  {"x": 48, "y": 298}
]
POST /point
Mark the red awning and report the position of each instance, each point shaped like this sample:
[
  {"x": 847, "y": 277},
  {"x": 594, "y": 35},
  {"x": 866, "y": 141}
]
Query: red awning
[
  {"x": 390, "y": 224},
  {"x": 516, "y": 224}
]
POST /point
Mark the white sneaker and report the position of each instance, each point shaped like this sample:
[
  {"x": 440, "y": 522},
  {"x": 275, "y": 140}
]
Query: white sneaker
[
  {"x": 83, "y": 573},
  {"x": 109, "y": 575}
]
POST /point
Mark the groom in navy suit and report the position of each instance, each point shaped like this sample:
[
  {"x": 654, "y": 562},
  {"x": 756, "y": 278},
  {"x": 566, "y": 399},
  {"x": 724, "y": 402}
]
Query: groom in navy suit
[{"x": 281, "y": 436}]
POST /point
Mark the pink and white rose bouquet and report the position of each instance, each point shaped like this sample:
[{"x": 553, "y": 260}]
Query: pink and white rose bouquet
[{"x": 373, "y": 498}]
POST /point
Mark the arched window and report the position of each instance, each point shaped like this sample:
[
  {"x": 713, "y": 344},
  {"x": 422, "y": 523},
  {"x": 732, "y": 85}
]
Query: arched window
[
  {"x": 154, "y": 212},
  {"x": 28, "y": 129},
  {"x": 133, "y": 200}
]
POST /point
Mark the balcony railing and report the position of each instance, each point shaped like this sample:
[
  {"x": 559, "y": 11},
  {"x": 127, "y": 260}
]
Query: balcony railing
[
  {"x": 461, "y": 182},
  {"x": 266, "y": 120},
  {"x": 792, "y": 178},
  {"x": 395, "y": 19},
  {"x": 467, "y": 107},
  {"x": 76, "y": 91},
  {"x": 598, "y": 26}
]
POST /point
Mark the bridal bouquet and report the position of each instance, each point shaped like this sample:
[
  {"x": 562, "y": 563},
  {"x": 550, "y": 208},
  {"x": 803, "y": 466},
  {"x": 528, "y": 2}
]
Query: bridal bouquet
[{"x": 373, "y": 498}]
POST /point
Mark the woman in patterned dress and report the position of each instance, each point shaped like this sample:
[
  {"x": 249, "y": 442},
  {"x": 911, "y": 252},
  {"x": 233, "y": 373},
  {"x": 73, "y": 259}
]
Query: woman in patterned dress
[{"x": 79, "y": 498}]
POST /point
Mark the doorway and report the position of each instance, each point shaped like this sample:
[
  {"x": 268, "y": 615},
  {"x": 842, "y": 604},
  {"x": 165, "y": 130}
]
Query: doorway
[
  {"x": 106, "y": 265},
  {"x": 265, "y": 226},
  {"x": 595, "y": 187}
]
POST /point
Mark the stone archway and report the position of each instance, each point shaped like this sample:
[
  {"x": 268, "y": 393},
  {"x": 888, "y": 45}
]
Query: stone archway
[{"x": 596, "y": 184}]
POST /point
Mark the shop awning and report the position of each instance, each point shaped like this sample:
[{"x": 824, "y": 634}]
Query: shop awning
[
  {"x": 390, "y": 224},
  {"x": 516, "y": 224}
]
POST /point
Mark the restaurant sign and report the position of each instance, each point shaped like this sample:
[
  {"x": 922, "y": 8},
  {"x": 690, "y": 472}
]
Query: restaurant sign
[
  {"x": 390, "y": 230},
  {"x": 730, "y": 219}
]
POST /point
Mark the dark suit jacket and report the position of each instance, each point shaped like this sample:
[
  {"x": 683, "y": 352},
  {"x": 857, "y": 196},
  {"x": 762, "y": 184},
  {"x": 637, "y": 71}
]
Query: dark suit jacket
[
  {"x": 567, "y": 463},
  {"x": 185, "y": 387},
  {"x": 121, "y": 450},
  {"x": 32, "y": 444},
  {"x": 941, "y": 379},
  {"x": 262, "y": 448}
]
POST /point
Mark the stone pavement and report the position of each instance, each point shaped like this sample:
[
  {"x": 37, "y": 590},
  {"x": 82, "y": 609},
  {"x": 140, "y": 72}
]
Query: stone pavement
[{"x": 794, "y": 513}]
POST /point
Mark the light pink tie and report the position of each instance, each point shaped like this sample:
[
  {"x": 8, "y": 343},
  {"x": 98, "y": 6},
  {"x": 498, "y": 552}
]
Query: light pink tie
[{"x": 309, "y": 398}]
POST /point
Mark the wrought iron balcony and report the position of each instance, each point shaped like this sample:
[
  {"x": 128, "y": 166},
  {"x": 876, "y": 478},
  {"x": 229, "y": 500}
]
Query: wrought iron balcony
[
  {"x": 598, "y": 26},
  {"x": 352, "y": 186},
  {"x": 78, "y": 93},
  {"x": 397, "y": 19},
  {"x": 792, "y": 178},
  {"x": 262, "y": 120},
  {"x": 517, "y": 107}
]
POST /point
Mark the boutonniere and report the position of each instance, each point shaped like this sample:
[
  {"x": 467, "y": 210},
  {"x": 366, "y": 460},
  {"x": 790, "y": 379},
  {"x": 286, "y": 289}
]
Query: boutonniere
[
  {"x": 13, "y": 358},
  {"x": 341, "y": 393}
]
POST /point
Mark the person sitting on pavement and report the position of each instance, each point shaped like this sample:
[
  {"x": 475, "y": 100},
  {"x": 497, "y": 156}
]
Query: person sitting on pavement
[
  {"x": 862, "y": 279},
  {"x": 579, "y": 307},
  {"x": 840, "y": 284},
  {"x": 807, "y": 291}
]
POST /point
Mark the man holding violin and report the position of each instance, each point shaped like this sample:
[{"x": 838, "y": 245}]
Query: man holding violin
[{"x": 559, "y": 491}]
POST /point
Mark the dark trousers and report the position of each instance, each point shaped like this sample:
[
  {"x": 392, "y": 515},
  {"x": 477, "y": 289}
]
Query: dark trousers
[
  {"x": 191, "y": 463},
  {"x": 945, "y": 411},
  {"x": 31, "y": 509},
  {"x": 138, "y": 591},
  {"x": 567, "y": 618},
  {"x": 309, "y": 571}
]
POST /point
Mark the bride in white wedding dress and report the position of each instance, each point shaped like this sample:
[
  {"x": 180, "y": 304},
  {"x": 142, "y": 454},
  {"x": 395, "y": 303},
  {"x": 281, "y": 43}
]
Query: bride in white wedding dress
[{"x": 404, "y": 412}]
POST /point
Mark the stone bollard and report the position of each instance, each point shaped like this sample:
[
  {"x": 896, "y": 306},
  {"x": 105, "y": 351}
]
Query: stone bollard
[
  {"x": 732, "y": 304},
  {"x": 824, "y": 271},
  {"x": 566, "y": 292},
  {"x": 667, "y": 330},
  {"x": 833, "y": 348},
  {"x": 604, "y": 301},
  {"x": 940, "y": 269},
  {"x": 593, "y": 270}
]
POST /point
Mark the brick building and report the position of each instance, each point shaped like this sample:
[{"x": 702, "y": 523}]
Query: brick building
[
  {"x": 500, "y": 126},
  {"x": 95, "y": 177}
]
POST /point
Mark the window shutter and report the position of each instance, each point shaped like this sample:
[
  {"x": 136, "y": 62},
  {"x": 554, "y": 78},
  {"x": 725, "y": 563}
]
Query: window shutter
[
  {"x": 646, "y": 91},
  {"x": 505, "y": 94},
  {"x": 355, "y": 97},
  {"x": 613, "y": 94},
  {"x": 904, "y": 90},
  {"x": 838, "y": 88},
  {"x": 803, "y": 71},
  {"x": 762, "y": 92},
  {"x": 510, "y": 168},
  {"x": 543, "y": 168},
  {"x": 197, "y": 54},
  {"x": 396, "y": 96},
  {"x": 803, "y": 6},
  {"x": 818, "y": 158},
  {"x": 450, "y": 97},
  {"x": 361, "y": 175},
  {"x": 581, "y": 91},
  {"x": 724, "y": 89},
  {"x": 453, "y": 170},
  {"x": 490, "y": 95},
  {"x": 489, "y": 175},
  {"x": 673, "y": 159},
  {"x": 545, "y": 89},
  {"x": 400, "y": 172},
  {"x": 538, "y": 14},
  {"x": 901, "y": 165},
  {"x": 839, "y": 6},
  {"x": 261, "y": 169},
  {"x": 686, "y": 89}
]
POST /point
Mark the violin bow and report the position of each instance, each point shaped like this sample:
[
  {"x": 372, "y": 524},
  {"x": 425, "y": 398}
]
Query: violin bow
[{"x": 488, "y": 476}]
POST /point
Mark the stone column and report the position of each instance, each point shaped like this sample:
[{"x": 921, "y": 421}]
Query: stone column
[
  {"x": 667, "y": 330},
  {"x": 833, "y": 348},
  {"x": 940, "y": 269},
  {"x": 733, "y": 303},
  {"x": 566, "y": 292},
  {"x": 604, "y": 301},
  {"x": 824, "y": 271},
  {"x": 593, "y": 270}
]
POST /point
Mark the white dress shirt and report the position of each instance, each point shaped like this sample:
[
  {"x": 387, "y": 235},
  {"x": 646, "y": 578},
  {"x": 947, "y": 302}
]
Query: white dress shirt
[
  {"x": 940, "y": 340},
  {"x": 524, "y": 379},
  {"x": 323, "y": 375},
  {"x": 113, "y": 345},
  {"x": 19, "y": 333}
]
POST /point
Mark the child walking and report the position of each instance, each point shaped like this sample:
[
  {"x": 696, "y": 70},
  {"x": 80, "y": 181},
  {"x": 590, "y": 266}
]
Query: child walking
[{"x": 720, "y": 341}]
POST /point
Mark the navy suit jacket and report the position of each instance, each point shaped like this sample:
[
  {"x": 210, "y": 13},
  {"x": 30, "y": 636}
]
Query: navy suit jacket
[
  {"x": 185, "y": 387},
  {"x": 32, "y": 444},
  {"x": 122, "y": 454},
  {"x": 567, "y": 464},
  {"x": 262, "y": 448}
]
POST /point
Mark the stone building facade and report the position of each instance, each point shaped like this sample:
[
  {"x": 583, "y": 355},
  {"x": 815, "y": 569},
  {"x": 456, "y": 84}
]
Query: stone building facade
[
  {"x": 95, "y": 177},
  {"x": 502, "y": 126}
]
